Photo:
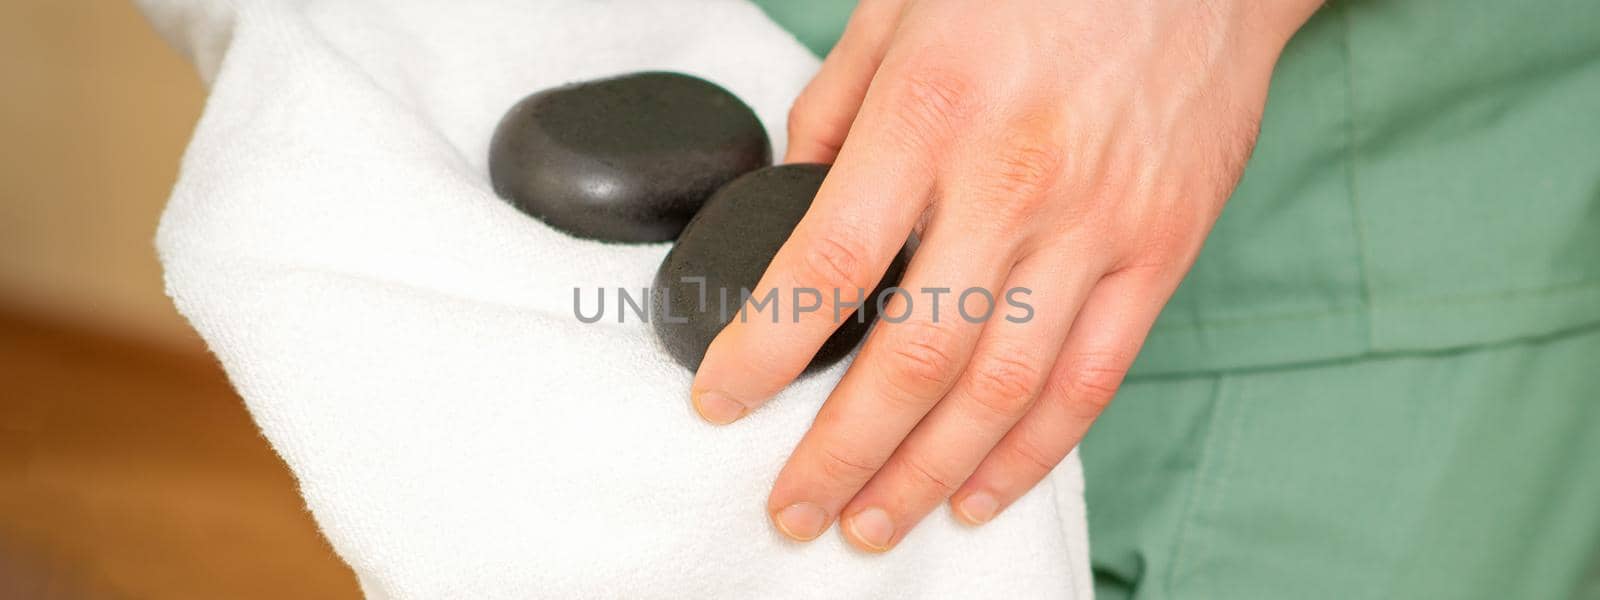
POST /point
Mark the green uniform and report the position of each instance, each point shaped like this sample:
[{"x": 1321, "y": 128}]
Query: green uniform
[{"x": 1382, "y": 377}]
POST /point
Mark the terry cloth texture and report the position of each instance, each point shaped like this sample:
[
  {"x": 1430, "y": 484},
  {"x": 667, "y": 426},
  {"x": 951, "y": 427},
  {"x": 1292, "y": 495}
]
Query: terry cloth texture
[{"x": 407, "y": 342}]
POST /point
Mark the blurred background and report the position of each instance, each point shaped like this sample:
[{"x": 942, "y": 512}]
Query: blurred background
[{"x": 128, "y": 466}]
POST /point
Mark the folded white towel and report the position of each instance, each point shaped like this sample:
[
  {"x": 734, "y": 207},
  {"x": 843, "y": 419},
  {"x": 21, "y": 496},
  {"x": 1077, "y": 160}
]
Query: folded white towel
[{"x": 406, "y": 340}]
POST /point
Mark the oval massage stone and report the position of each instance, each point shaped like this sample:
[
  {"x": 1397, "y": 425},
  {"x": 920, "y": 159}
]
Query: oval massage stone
[
  {"x": 628, "y": 159},
  {"x": 729, "y": 244}
]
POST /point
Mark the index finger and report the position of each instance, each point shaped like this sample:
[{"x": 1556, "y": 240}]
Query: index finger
[{"x": 859, "y": 221}]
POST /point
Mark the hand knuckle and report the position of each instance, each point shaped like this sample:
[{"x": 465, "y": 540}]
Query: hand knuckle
[
  {"x": 1091, "y": 380},
  {"x": 1165, "y": 256},
  {"x": 1033, "y": 453},
  {"x": 838, "y": 467},
  {"x": 931, "y": 103},
  {"x": 1003, "y": 385},
  {"x": 1027, "y": 165},
  {"x": 928, "y": 476},
  {"x": 832, "y": 262},
  {"x": 920, "y": 364},
  {"x": 1019, "y": 177}
]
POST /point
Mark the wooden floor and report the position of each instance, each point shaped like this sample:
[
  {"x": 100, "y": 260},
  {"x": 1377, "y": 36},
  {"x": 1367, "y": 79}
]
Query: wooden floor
[{"x": 132, "y": 471}]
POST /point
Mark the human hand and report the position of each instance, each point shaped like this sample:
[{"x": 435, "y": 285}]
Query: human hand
[{"x": 1080, "y": 150}]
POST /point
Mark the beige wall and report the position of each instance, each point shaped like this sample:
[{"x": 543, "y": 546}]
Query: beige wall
[{"x": 94, "y": 113}]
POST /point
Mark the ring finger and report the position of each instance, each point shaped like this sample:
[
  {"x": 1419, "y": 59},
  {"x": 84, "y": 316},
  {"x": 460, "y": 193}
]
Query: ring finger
[{"x": 1008, "y": 369}]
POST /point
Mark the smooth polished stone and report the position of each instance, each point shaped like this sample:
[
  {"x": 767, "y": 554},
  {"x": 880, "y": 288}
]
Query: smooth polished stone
[
  {"x": 627, "y": 159},
  {"x": 725, "y": 250}
]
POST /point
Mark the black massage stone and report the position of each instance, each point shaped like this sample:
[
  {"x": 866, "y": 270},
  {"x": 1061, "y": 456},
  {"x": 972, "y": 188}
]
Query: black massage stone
[
  {"x": 628, "y": 159},
  {"x": 729, "y": 244}
]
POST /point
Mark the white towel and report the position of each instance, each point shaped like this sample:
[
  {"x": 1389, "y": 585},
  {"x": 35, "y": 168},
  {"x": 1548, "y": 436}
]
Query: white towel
[{"x": 406, "y": 340}]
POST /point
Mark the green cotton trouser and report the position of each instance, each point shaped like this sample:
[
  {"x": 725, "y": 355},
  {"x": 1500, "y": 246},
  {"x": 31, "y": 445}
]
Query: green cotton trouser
[
  {"x": 1472, "y": 473},
  {"x": 1381, "y": 379}
]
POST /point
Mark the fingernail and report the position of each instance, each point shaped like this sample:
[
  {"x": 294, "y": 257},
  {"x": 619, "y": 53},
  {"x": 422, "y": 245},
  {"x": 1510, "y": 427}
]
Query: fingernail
[
  {"x": 872, "y": 528},
  {"x": 717, "y": 407},
  {"x": 977, "y": 508},
  {"x": 803, "y": 521}
]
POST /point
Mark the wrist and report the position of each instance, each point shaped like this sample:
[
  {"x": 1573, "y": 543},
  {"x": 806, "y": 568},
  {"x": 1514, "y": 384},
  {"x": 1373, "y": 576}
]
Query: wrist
[
  {"x": 1258, "y": 30},
  {"x": 1275, "y": 21}
]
